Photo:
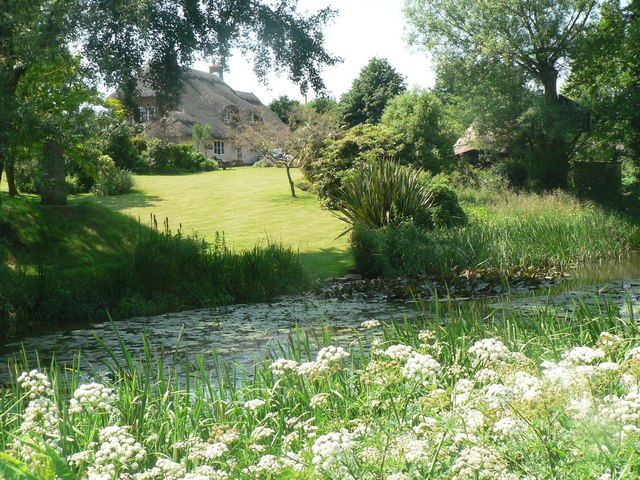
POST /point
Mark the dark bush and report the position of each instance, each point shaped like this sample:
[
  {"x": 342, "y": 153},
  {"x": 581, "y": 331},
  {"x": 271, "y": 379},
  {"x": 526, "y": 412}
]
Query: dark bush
[{"x": 164, "y": 157}]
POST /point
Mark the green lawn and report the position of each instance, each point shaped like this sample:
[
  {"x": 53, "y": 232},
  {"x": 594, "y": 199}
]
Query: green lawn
[{"x": 252, "y": 206}]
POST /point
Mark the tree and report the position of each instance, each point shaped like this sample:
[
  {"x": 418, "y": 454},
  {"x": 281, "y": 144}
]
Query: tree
[
  {"x": 533, "y": 39},
  {"x": 323, "y": 105},
  {"x": 122, "y": 42},
  {"x": 377, "y": 83},
  {"x": 282, "y": 107},
  {"x": 605, "y": 75},
  {"x": 284, "y": 146},
  {"x": 416, "y": 116},
  {"x": 201, "y": 134}
]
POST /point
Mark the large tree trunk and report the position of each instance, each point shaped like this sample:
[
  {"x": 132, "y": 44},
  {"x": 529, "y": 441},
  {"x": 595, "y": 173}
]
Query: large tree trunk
[{"x": 53, "y": 189}]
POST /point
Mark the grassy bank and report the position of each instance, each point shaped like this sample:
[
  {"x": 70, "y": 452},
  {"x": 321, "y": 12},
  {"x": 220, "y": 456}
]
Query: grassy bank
[
  {"x": 83, "y": 262},
  {"x": 251, "y": 206},
  {"x": 506, "y": 232},
  {"x": 516, "y": 397}
]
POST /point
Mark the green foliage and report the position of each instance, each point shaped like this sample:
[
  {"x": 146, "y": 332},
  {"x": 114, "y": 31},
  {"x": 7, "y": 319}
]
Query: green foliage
[
  {"x": 384, "y": 193},
  {"x": 164, "y": 157},
  {"x": 507, "y": 232},
  {"x": 604, "y": 77},
  {"x": 263, "y": 163},
  {"x": 340, "y": 155},
  {"x": 116, "y": 135},
  {"x": 377, "y": 83},
  {"x": 416, "y": 117},
  {"x": 492, "y": 66},
  {"x": 283, "y": 107},
  {"x": 111, "y": 179},
  {"x": 201, "y": 134},
  {"x": 445, "y": 210},
  {"x": 323, "y": 105}
]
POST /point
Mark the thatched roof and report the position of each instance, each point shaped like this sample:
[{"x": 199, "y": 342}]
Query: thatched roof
[
  {"x": 467, "y": 142},
  {"x": 206, "y": 99}
]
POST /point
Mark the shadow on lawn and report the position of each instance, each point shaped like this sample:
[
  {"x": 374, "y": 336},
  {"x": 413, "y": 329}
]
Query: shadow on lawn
[
  {"x": 327, "y": 262},
  {"x": 129, "y": 200}
]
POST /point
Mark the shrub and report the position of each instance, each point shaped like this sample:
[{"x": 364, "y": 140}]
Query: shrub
[
  {"x": 445, "y": 211},
  {"x": 337, "y": 159},
  {"x": 27, "y": 175},
  {"x": 208, "y": 164},
  {"x": 384, "y": 193},
  {"x": 263, "y": 163},
  {"x": 111, "y": 179},
  {"x": 164, "y": 157}
]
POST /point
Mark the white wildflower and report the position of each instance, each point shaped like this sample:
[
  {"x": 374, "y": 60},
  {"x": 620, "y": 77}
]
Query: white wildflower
[
  {"x": 331, "y": 449},
  {"x": 399, "y": 352},
  {"x": 254, "y": 404},
  {"x": 421, "y": 368},
  {"x": 488, "y": 351},
  {"x": 319, "y": 400},
  {"x": 91, "y": 397},
  {"x": 36, "y": 384},
  {"x": 282, "y": 366}
]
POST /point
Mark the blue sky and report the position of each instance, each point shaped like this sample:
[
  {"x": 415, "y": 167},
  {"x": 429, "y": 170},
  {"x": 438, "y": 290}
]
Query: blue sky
[{"x": 363, "y": 29}]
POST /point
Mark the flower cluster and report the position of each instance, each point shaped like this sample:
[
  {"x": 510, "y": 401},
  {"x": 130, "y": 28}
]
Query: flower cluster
[
  {"x": 332, "y": 449},
  {"x": 92, "y": 397},
  {"x": 119, "y": 453}
]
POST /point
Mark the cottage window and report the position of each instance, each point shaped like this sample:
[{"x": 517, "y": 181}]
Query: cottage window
[
  {"x": 218, "y": 148},
  {"x": 239, "y": 151},
  {"x": 147, "y": 114}
]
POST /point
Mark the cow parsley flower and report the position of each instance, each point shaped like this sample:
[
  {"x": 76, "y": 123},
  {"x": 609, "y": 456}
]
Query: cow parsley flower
[
  {"x": 488, "y": 351},
  {"x": 421, "y": 368},
  {"x": 36, "y": 384},
  {"x": 331, "y": 449},
  {"x": 254, "y": 404},
  {"x": 477, "y": 462},
  {"x": 331, "y": 354},
  {"x": 92, "y": 397},
  {"x": 399, "y": 352},
  {"x": 282, "y": 366},
  {"x": 118, "y": 453}
]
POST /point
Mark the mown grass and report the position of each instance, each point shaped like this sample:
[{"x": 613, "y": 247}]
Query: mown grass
[
  {"x": 456, "y": 396},
  {"x": 251, "y": 206},
  {"x": 506, "y": 231}
]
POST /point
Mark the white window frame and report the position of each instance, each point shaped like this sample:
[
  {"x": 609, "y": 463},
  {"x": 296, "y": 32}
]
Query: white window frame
[
  {"x": 147, "y": 114},
  {"x": 218, "y": 147}
]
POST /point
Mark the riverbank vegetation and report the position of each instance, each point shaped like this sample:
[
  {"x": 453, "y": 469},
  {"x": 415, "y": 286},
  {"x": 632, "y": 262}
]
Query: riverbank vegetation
[
  {"x": 506, "y": 232},
  {"x": 83, "y": 263},
  {"x": 457, "y": 397}
]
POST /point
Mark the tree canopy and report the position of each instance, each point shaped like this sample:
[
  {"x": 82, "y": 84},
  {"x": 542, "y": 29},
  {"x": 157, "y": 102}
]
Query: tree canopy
[
  {"x": 377, "y": 83},
  {"x": 283, "y": 106},
  {"x": 501, "y": 60},
  {"x": 605, "y": 76},
  {"x": 123, "y": 41}
]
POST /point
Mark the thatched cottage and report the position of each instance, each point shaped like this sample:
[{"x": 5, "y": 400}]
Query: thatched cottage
[{"x": 206, "y": 99}]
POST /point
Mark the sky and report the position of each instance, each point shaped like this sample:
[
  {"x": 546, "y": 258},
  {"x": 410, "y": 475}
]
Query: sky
[{"x": 363, "y": 29}]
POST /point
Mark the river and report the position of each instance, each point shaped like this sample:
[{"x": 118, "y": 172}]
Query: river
[{"x": 244, "y": 333}]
